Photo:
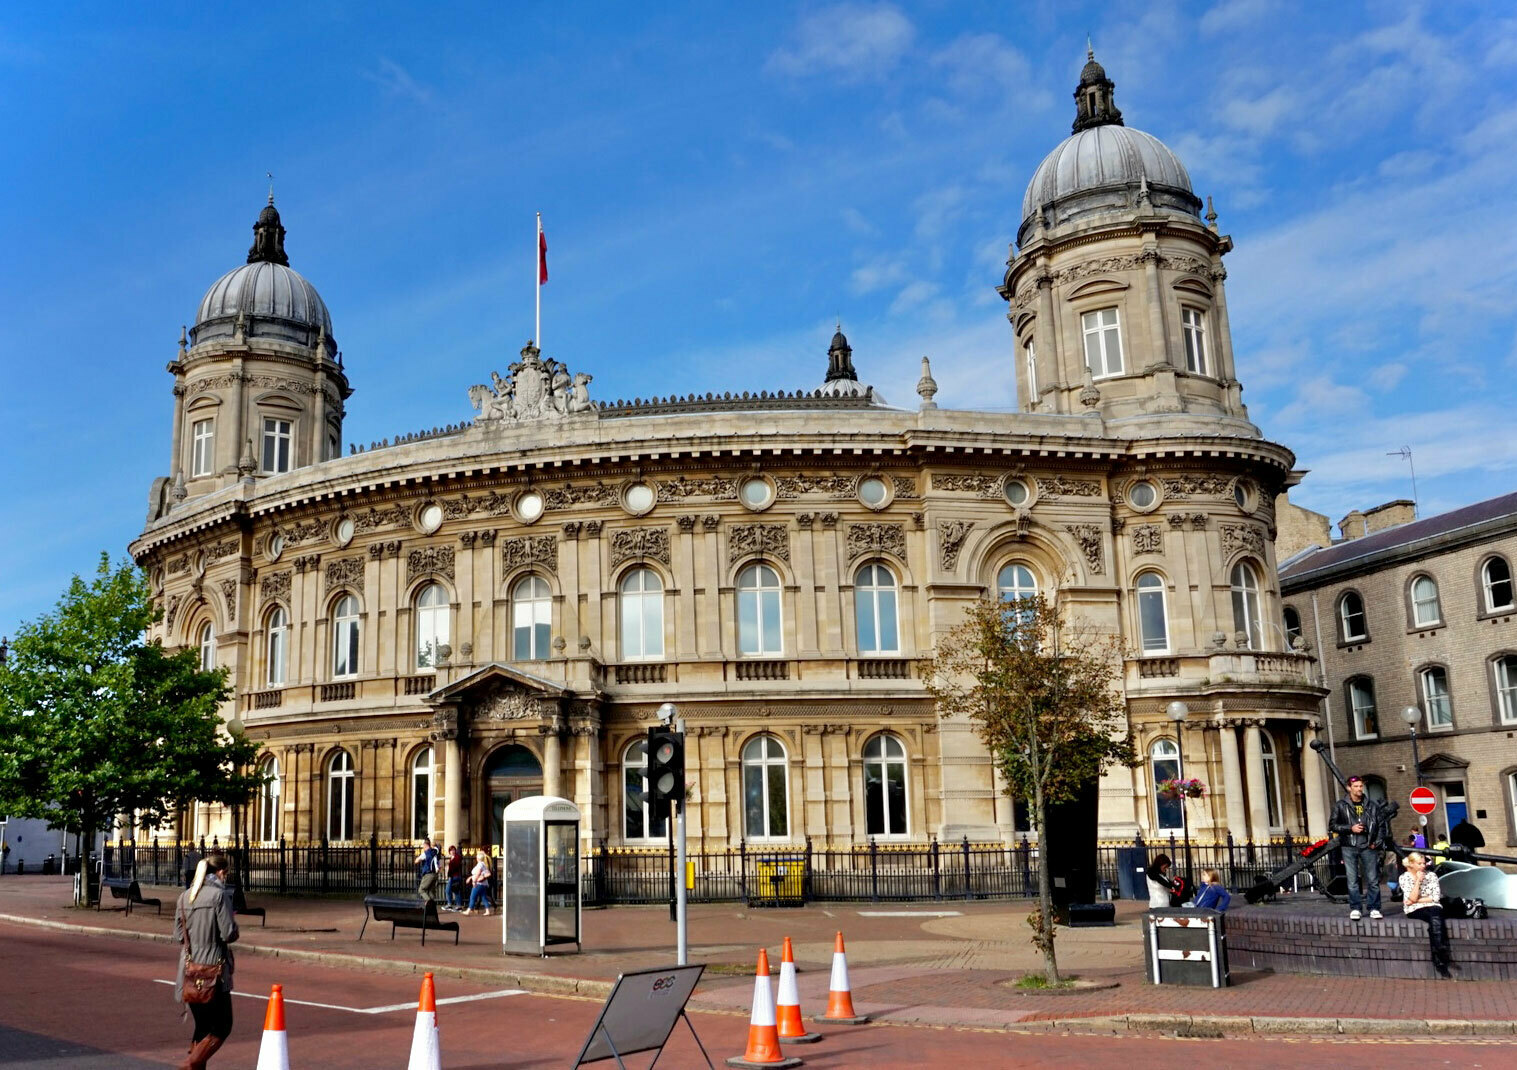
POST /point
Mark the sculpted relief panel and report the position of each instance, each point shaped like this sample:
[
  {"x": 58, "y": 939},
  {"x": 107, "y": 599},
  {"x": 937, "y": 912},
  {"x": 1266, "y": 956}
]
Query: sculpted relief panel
[
  {"x": 530, "y": 550},
  {"x": 771, "y": 539},
  {"x": 640, "y": 543},
  {"x": 872, "y": 538}
]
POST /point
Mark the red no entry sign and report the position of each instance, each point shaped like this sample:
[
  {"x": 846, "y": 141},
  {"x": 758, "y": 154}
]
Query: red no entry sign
[{"x": 1424, "y": 801}]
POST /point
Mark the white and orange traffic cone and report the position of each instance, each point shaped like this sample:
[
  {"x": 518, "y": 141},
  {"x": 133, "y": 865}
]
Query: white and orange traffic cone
[
  {"x": 839, "y": 995},
  {"x": 763, "y": 1035},
  {"x": 426, "y": 1045},
  {"x": 788, "y": 1006},
  {"x": 274, "y": 1051}
]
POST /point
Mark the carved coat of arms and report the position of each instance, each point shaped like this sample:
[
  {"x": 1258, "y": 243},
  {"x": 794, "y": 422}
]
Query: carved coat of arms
[{"x": 532, "y": 389}]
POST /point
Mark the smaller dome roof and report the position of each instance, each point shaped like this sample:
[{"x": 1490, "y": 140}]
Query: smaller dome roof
[
  {"x": 273, "y": 300},
  {"x": 1103, "y": 168}
]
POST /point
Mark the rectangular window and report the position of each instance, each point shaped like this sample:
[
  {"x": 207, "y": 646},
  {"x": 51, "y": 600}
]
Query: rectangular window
[
  {"x": 1361, "y": 702},
  {"x": 1193, "y": 326},
  {"x": 1435, "y": 698},
  {"x": 1506, "y": 689},
  {"x": 203, "y": 454},
  {"x": 1103, "y": 342},
  {"x": 276, "y": 446},
  {"x": 1032, "y": 372}
]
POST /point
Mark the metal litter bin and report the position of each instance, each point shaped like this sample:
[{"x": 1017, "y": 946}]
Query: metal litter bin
[
  {"x": 779, "y": 881},
  {"x": 1185, "y": 947}
]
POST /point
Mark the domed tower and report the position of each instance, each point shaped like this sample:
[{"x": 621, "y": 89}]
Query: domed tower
[
  {"x": 1115, "y": 287},
  {"x": 258, "y": 382}
]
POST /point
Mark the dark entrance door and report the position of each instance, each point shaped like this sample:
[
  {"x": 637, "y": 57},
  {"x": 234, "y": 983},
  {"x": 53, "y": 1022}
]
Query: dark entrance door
[{"x": 512, "y": 772}]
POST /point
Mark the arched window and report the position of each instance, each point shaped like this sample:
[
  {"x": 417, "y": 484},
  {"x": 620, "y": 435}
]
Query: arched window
[
  {"x": 268, "y": 801},
  {"x": 1272, "y": 784},
  {"x": 1361, "y": 707},
  {"x": 1374, "y": 788},
  {"x": 1292, "y": 625},
  {"x": 345, "y": 637},
  {"x": 433, "y": 624},
  {"x": 1425, "y": 609},
  {"x": 638, "y": 820},
  {"x": 1153, "y": 618},
  {"x": 874, "y": 610},
  {"x": 1246, "y": 618},
  {"x": 758, "y": 612},
  {"x": 1015, "y": 582},
  {"x": 423, "y": 788},
  {"x": 207, "y": 647},
  {"x": 766, "y": 790},
  {"x": 1434, "y": 684},
  {"x": 277, "y": 644},
  {"x": 1164, "y": 762},
  {"x": 1351, "y": 622},
  {"x": 1506, "y": 687},
  {"x": 531, "y": 619},
  {"x": 885, "y": 786},
  {"x": 642, "y": 610},
  {"x": 340, "y": 781},
  {"x": 1496, "y": 582}
]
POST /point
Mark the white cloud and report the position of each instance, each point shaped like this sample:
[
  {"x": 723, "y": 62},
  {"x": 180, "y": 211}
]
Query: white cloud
[
  {"x": 854, "y": 41},
  {"x": 1234, "y": 15},
  {"x": 1388, "y": 376},
  {"x": 982, "y": 63},
  {"x": 398, "y": 81},
  {"x": 913, "y": 295},
  {"x": 878, "y": 273},
  {"x": 858, "y": 222}
]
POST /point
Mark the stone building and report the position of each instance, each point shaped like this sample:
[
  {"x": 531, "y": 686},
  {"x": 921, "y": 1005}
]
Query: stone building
[
  {"x": 1420, "y": 613},
  {"x": 420, "y": 631}
]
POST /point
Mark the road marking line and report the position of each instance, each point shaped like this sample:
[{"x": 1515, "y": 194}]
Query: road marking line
[
  {"x": 911, "y": 913},
  {"x": 388, "y": 1009}
]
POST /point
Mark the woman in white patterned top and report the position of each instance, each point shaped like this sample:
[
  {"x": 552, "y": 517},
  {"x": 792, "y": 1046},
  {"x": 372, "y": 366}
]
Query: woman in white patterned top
[{"x": 1422, "y": 899}]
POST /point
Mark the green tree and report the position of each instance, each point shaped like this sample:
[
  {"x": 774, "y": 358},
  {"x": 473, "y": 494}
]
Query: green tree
[
  {"x": 1043, "y": 693},
  {"x": 98, "y": 721}
]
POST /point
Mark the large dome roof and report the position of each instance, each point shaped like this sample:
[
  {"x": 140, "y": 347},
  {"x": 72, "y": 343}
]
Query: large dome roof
[
  {"x": 1099, "y": 157},
  {"x": 1105, "y": 166},
  {"x": 272, "y": 299}
]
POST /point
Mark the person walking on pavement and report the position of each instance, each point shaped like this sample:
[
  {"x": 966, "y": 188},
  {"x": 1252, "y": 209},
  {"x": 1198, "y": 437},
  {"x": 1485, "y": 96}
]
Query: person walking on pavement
[
  {"x": 428, "y": 862},
  {"x": 1422, "y": 900},
  {"x": 204, "y": 926},
  {"x": 479, "y": 883},
  {"x": 454, "y": 875},
  {"x": 1360, "y": 823}
]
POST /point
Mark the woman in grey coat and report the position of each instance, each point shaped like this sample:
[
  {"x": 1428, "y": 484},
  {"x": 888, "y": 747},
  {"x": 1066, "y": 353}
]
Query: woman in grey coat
[{"x": 205, "y": 912}]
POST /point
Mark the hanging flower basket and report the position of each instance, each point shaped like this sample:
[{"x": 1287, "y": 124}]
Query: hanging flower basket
[{"x": 1176, "y": 788}]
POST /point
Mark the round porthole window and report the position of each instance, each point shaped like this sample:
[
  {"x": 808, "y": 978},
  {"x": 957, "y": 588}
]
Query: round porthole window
[
  {"x": 345, "y": 530},
  {"x": 639, "y": 498},
  {"x": 1142, "y": 495},
  {"x": 873, "y": 492},
  {"x": 1241, "y": 495},
  {"x": 756, "y": 493},
  {"x": 529, "y": 506},
  {"x": 276, "y": 546},
  {"x": 1017, "y": 492},
  {"x": 431, "y": 518}
]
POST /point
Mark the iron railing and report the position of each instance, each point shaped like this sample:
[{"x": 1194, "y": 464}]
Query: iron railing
[{"x": 750, "y": 873}]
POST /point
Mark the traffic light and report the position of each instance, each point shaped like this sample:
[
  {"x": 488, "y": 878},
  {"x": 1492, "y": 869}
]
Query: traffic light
[{"x": 666, "y": 765}]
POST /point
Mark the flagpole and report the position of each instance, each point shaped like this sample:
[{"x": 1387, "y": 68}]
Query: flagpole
[{"x": 537, "y": 279}]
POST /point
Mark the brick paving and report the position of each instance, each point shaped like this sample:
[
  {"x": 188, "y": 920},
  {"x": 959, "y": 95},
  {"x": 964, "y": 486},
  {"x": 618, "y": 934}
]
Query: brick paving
[{"x": 940, "y": 963}]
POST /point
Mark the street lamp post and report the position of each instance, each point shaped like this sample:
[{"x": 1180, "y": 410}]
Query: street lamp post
[
  {"x": 1177, "y": 711},
  {"x": 1412, "y": 715}
]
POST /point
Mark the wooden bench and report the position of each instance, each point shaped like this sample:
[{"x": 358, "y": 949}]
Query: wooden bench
[
  {"x": 240, "y": 906},
  {"x": 128, "y": 889},
  {"x": 405, "y": 912}
]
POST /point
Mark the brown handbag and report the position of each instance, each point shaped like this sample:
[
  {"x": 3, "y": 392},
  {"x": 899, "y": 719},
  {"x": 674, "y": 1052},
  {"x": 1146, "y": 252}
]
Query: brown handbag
[{"x": 200, "y": 980}]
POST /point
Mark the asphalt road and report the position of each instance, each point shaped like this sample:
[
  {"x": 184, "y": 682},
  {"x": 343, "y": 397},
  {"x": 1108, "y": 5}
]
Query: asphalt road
[{"x": 69, "y": 1001}]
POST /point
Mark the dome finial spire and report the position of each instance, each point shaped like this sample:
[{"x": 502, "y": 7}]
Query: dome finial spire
[
  {"x": 268, "y": 236},
  {"x": 840, "y": 357},
  {"x": 270, "y": 175},
  {"x": 1095, "y": 96}
]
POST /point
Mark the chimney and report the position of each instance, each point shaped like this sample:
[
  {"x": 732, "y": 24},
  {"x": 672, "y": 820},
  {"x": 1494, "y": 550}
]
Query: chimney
[
  {"x": 1391, "y": 514},
  {"x": 1353, "y": 526}
]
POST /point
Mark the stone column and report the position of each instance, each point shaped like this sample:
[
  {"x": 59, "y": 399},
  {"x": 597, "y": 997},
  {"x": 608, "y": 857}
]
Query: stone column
[
  {"x": 1005, "y": 808},
  {"x": 1045, "y": 333},
  {"x": 318, "y": 437},
  {"x": 1258, "y": 804},
  {"x": 453, "y": 789},
  {"x": 1311, "y": 777},
  {"x": 1232, "y": 780},
  {"x": 176, "y": 460},
  {"x": 553, "y": 760}
]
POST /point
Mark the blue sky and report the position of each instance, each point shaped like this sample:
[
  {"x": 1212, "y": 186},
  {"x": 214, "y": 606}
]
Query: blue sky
[{"x": 718, "y": 183}]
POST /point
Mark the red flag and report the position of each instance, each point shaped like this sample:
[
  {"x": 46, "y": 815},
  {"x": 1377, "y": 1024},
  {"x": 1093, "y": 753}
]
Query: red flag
[{"x": 542, "y": 255}]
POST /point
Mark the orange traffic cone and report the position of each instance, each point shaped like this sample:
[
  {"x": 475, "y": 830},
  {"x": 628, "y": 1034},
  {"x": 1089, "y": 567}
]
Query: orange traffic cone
[
  {"x": 839, "y": 996},
  {"x": 274, "y": 1052},
  {"x": 426, "y": 1046},
  {"x": 788, "y": 1006},
  {"x": 763, "y": 1035}
]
